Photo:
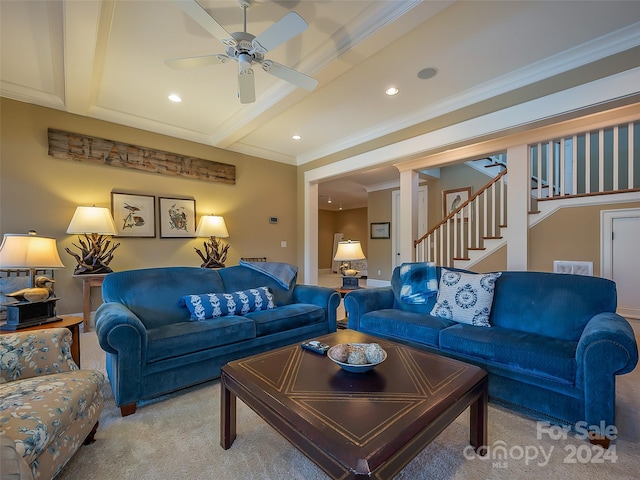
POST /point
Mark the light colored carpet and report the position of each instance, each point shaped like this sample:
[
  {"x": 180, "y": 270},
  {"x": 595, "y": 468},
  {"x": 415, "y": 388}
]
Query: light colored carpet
[{"x": 177, "y": 437}]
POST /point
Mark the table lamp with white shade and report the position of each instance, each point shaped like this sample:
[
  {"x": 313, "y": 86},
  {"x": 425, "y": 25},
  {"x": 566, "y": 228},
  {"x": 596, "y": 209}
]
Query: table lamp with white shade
[
  {"x": 96, "y": 252},
  {"x": 349, "y": 251},
  {"x": 34, "y": 305},
  {"x": 215, "y": 251}
]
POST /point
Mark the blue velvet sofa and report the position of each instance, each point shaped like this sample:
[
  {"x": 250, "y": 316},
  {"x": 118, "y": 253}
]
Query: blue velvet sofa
[
  {"x": 155, "y": 345},
  {"x": 553, "y": 348}
]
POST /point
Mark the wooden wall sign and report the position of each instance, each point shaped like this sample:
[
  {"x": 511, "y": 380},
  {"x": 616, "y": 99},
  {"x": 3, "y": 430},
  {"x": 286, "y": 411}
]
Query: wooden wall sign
[{"x": 83, "y": 148}]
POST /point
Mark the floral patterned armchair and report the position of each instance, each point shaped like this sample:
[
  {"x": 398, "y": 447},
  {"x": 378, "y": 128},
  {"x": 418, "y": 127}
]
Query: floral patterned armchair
[{"x": 48, "y": 406}]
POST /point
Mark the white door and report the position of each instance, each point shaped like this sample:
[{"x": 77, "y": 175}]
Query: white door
[
  {"x": 620, "y": 257},
  {"x": 423, "y": 213}
]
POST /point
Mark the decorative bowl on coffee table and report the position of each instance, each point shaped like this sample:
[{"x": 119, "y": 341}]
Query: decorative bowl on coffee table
[{"x": 354, "y": 368}]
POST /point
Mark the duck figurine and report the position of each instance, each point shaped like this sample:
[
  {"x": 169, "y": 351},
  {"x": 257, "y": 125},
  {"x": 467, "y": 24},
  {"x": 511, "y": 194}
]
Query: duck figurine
[{"x": 41, "y": 291}]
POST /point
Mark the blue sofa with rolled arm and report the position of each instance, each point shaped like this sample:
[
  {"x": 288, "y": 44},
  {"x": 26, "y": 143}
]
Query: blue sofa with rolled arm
[
  {"x": 553, "y": 348},
  {"x": 162, "y": 330}
]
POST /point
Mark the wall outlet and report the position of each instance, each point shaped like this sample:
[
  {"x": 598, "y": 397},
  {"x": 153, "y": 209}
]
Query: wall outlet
[
  {"x": 379, "y": 272},
  {"x": 283, "y": 244}
]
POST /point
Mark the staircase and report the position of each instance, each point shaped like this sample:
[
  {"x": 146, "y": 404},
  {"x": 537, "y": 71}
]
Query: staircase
[{"x": 596, "y": 163}]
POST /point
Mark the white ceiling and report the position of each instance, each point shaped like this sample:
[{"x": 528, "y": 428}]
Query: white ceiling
[{"x": 105, "y": 60}]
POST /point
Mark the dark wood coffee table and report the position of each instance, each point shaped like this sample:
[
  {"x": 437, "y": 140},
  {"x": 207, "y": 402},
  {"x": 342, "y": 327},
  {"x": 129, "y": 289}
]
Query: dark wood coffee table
[{"x": 351, "y": 425}]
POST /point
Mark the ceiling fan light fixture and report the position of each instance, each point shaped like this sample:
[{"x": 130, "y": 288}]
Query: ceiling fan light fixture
[
  {"x": 246, "y": 48},
  {"x": 244, "y": 62}
]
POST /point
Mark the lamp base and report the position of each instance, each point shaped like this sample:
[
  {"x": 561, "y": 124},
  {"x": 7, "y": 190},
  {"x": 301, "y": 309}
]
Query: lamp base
[
  {"x": 215, "y": 253},
  {"x": 350, "y": 283},
  {"x": 96, "y": 253},
  {"x": 28, "y": 314}
]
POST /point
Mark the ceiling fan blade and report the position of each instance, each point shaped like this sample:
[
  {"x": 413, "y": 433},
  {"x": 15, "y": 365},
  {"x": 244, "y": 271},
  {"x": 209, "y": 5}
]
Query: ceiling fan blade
[
  {"x": 195, "y": 62},
  {"x": 284, "y": 29},
  {"x": 206, "y": 21},
  {"x": 289, "y": 74},
  {"x": 246, "y": 86}
]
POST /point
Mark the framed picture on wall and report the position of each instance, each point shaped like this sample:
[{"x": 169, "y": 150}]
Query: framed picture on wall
[
  {"x": 452, "y": 199},
  {"x": 381, "y": 230},
  {"x": 134, "y": 215},
  {"x": 177, "y": 217}
]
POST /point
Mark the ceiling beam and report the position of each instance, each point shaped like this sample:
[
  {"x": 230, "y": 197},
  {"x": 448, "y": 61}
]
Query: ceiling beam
[{"x": 86, "y": 28}]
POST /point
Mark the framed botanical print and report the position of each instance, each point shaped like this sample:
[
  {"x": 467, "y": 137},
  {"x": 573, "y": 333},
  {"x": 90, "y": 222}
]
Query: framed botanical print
[
  {"x": 380, "y": 230},
  {"x": 134, "y": 215},
  {"x": 452, "y": 199},
  {"x": 177, "y": 217}
]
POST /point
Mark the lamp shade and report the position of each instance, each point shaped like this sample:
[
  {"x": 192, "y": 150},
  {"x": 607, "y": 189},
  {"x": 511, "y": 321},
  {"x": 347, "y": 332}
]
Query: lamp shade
[
  {"x": 349, "y": 250},
  {"x": 212, "y": 226},
  {"x": 92, "y": 220},
  {"x": 29, "y": 251}
]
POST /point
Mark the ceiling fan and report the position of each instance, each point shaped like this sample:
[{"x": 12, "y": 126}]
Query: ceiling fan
[{"x": 247, "y": 49}]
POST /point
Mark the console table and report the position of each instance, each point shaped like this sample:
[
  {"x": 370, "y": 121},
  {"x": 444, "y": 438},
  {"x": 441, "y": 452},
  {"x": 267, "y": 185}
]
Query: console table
[{"x": 89, "y": 280}]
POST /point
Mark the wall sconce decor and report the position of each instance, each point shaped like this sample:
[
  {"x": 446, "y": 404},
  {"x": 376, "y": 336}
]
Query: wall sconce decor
[
  {"x": 35, "y": 305},
  {"x": 96, "y": 224},
  {"x": 215, "y": 251}
]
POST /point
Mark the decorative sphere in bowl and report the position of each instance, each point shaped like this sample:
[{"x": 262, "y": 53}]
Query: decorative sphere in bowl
[{"x": 357, "y": 357}]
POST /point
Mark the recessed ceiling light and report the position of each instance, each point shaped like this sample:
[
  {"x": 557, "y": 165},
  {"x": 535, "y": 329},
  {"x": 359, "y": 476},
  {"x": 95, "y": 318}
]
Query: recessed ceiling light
[
  {"x": 296, "y": 137},
  {"x": 391, "y": 91},
  {"x": 175, "y": 98}
]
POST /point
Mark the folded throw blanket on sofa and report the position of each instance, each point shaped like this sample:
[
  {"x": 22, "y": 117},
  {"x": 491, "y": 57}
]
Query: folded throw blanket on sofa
[
  {"x": 283, "y": 273},
  {"x": 419, "y": 282}
]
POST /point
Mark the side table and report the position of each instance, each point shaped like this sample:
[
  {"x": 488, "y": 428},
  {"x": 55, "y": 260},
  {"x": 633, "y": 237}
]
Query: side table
[
  {"x": 344, "y": 323},
  {"x": 66, "y": 321},
  {"x": 89, "y": 280}
]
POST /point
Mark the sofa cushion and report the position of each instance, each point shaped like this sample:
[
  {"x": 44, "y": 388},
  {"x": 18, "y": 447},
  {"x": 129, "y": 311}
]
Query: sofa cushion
[
  {"x": 36, "y": 410},
  {"x": 286, "y": 317},
  {"x": 529, "y": 352},
  {"x": 465, "y": 297},
  {"x": 212, "y": 305},
  {"x": 419, "y": 282},
  {"x": 406, "y": 325},
  {"x": 30, "y": 354},
  {"x": 183, "y": 338}
]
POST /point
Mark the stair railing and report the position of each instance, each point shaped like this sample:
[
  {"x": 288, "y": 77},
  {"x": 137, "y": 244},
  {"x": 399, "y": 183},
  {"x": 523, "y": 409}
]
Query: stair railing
[
  {"x": 467, "y": 227},
  {"x": 589, "y": 163}
]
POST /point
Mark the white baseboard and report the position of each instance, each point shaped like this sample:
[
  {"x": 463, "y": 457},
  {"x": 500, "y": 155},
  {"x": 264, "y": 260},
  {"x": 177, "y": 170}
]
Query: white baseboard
[
  {"x": 372, "y": 282},
  {"x": 629, "y": 312}
]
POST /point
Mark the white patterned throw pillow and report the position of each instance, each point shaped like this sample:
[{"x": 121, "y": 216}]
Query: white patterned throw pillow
[{"x": 465, "y": 297}]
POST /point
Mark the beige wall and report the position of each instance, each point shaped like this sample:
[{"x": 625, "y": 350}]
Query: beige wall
[
  {"x": 40, "y": 192},
  {"x": 326, "y": 229},
  {"x": 495, "y": 262},
  {"x": 569, "y": 234},
  {"x": 379, "y": 258},
  {"x": 352, "y": 223}
]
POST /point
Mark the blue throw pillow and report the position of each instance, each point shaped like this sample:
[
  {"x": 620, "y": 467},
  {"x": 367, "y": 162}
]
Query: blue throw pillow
[
  {"x": 465, "y": 297},
  {"x": 212, "y": 305}
]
